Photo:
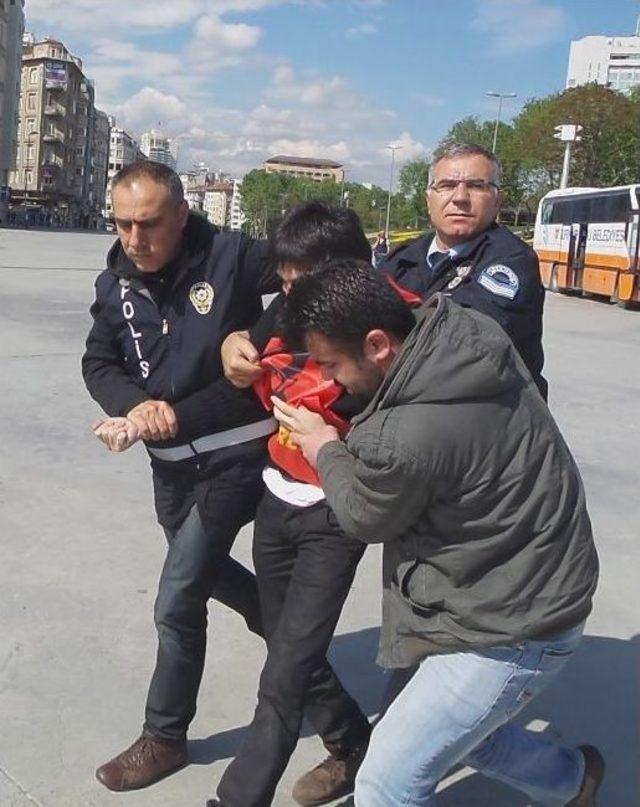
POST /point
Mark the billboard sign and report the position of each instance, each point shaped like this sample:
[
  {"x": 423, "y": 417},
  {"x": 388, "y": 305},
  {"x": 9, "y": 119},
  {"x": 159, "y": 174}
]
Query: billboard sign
[{"x": 55, "y": 75}]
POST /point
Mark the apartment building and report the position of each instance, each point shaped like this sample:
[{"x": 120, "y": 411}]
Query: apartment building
[
  {"x": 313, "y": 168},
  {"x": 52, "y": 179},
  {"x": 123, "y": 150},
  {"x": 610, "y": 60},
  {"x": 217, "y": 203},
  {"x": 11, "y": 33}
]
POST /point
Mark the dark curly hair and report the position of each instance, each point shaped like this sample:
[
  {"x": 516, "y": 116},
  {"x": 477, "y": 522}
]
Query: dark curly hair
[{"x": 343, "y": 302}]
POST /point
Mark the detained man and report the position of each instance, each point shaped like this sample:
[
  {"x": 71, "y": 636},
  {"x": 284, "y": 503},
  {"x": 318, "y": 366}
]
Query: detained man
[{"x": 489, "y": 564}]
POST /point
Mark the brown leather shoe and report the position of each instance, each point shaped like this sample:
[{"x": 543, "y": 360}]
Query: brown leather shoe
[
  {"x": 594, "y": 767},
  {"x": 143, "y": 763},
  {"x": 330, "y": 780}
]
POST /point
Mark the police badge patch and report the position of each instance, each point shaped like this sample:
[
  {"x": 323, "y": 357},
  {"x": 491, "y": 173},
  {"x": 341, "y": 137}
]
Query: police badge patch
[
  {"x": 201, "y": 295},
  {"x": 500, "y": 280}
]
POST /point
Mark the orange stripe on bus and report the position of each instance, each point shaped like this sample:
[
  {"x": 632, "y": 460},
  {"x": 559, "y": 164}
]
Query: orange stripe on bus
[{"x": 592, "y": 259}]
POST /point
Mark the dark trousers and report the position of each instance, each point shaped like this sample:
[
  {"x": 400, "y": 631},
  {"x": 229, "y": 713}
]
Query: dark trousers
[
  {"x": 305, "y": 566},
  {"x": 198, "y": 567}
]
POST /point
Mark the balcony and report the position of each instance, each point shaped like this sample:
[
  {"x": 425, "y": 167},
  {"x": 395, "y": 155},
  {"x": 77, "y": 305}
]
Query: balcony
[
  {"x": 55, "y": 136},
  {"x": 55, "y": 110}
]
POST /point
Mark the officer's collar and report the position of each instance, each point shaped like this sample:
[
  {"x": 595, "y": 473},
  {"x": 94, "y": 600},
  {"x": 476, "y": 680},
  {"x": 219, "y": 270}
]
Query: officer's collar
[{"x": 458, "y": 251}]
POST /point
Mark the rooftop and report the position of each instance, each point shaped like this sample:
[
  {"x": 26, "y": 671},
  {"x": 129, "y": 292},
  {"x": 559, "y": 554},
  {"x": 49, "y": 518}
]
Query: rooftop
[{"x": 314, "y": 162}]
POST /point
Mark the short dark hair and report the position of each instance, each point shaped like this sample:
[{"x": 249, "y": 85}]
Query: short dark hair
[
  {"x": 452, "y": 148},
  {"x": 314, "y": 232},
  {"x": 343, "y": 302},
  {"x": 156, "y": 172}
]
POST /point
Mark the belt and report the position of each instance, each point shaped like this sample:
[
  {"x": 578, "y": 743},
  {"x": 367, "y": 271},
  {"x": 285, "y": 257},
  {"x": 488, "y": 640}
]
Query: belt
[{"x": 212, "y": 442}]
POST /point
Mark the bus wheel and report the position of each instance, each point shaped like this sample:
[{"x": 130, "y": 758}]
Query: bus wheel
[{"x": 553, "y": 280}]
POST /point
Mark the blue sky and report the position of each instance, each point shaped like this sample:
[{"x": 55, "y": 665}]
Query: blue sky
[{"x": 240, "y": 80}]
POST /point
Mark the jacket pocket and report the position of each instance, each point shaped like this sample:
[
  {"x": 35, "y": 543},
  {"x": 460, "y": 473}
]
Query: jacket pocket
[{"x": 417, "y": 590}]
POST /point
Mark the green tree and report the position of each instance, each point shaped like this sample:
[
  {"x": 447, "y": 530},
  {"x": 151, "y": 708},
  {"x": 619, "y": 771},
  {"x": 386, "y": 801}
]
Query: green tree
[
  {"x": 609, "y": 151},
  {"x": 414, "y": 179}
]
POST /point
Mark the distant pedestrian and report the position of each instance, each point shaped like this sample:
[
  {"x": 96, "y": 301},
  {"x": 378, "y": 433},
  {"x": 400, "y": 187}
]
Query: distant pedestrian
[{"x": 380, "y": 248}]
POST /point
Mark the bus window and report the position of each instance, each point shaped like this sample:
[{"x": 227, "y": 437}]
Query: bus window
[
  {"x": 547, "y": 212},
  {"x": 611, "y": 207},
  {"x": 570, "y": 211}
]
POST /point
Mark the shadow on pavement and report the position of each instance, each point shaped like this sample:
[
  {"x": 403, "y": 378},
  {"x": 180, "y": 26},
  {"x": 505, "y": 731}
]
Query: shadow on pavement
[{"x": 594, "y": 700}]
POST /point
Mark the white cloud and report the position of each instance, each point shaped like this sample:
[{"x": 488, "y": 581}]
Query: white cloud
[
  {"x": 358, "y": 31},
  {"x": 427, "y": 99},
  {"x": 333, "y": 91},
  {"x": 105, "y": 15},
  {"x": 510, "y": 27},
  {"x": 150, "y": 106},
  {"x": 84, "y": 15},
  {"x": 144, "y": 79},
  {"x": 408, "y": 148},
  {"x": 211, "y": 33}
]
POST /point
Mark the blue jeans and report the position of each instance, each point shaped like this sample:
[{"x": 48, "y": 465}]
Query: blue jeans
[
  {"x": 457, "y": 708},
  {"x": 197, "y": 567}
]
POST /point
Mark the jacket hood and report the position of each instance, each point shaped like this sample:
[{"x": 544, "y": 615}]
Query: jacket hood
[
  {"x": 453, "y": 354},
  {"x": 195, "y": 242}
]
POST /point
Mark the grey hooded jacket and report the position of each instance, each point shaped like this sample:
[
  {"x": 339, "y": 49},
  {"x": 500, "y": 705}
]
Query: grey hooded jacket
[{"x": 459, "y": 468}]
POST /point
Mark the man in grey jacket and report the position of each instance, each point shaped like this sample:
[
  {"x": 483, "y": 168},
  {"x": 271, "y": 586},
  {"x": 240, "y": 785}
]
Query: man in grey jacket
[{"x": 489, "y": 564}]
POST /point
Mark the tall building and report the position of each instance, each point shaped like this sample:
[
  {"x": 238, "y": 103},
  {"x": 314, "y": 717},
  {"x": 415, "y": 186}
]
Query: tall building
[
  {"x": 52, "y": 182},
  {"x": 160, "y": 149},
  {"x": 313, "y": 168},
  {"x": 613, "y": 61},
  {"x": 99, "y": 165},
  {"x": 123, "y": 150},
  {"x": 237, "y": 218},
  {"x": 11, "y": 32}
]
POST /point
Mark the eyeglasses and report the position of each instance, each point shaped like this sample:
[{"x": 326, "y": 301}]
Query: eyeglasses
[{"x": 449, "y": 186}]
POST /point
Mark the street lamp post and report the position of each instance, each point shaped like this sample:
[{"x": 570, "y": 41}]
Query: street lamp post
[
  {"x": 393, "y": 150},
  {"x": 500, "y": 96}
]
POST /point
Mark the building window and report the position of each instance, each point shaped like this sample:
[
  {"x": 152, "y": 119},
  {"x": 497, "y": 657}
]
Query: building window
[
  {"x": 31, "y": 101},
  {"x": 33, "y": 75}
]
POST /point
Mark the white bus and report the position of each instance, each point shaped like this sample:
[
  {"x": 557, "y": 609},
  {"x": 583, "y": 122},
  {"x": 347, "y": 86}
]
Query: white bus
[{"x": 587, "y": 241}]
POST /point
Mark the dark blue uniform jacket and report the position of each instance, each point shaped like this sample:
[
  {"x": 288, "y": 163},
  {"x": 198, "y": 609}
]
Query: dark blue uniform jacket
[
  {"x": 499, "y": 277},
  {"x": 157, "y": 336}
]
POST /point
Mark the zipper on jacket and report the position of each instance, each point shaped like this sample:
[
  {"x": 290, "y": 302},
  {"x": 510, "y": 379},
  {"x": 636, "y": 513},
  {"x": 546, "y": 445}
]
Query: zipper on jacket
[{"x": 165, "y": 327}]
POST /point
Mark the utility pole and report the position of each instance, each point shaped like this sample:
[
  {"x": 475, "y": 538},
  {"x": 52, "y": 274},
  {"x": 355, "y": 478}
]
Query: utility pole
[
  {"x": 393, "y": 150},
  {"x": 568, "y": 133},
  {"x": 500, "y": 96}
]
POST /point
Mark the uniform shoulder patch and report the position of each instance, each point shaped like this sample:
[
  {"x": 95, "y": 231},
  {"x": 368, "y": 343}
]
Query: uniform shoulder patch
[{"x": 500, "y": 280}]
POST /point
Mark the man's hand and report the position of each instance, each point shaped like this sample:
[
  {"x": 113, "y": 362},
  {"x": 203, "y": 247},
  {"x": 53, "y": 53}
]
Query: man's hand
[
  {"x": 155, "y": 420},
  {"x": 118, "y": 434},
  {"x": 308, "y": 430},
  {"x": 240, "y": 360}
]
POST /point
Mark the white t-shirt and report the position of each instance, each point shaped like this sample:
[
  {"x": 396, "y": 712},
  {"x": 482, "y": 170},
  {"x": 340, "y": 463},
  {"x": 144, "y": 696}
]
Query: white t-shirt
[{"x": 300, "y": 494}]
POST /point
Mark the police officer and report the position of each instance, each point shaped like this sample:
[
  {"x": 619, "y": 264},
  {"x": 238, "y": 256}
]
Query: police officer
[
  {"x": 174, "y": 288},
  {"x": 479, "y": 263}
]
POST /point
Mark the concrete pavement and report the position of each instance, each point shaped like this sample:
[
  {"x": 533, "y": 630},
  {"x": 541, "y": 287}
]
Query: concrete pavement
[{"x": 81, "y": 554}]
